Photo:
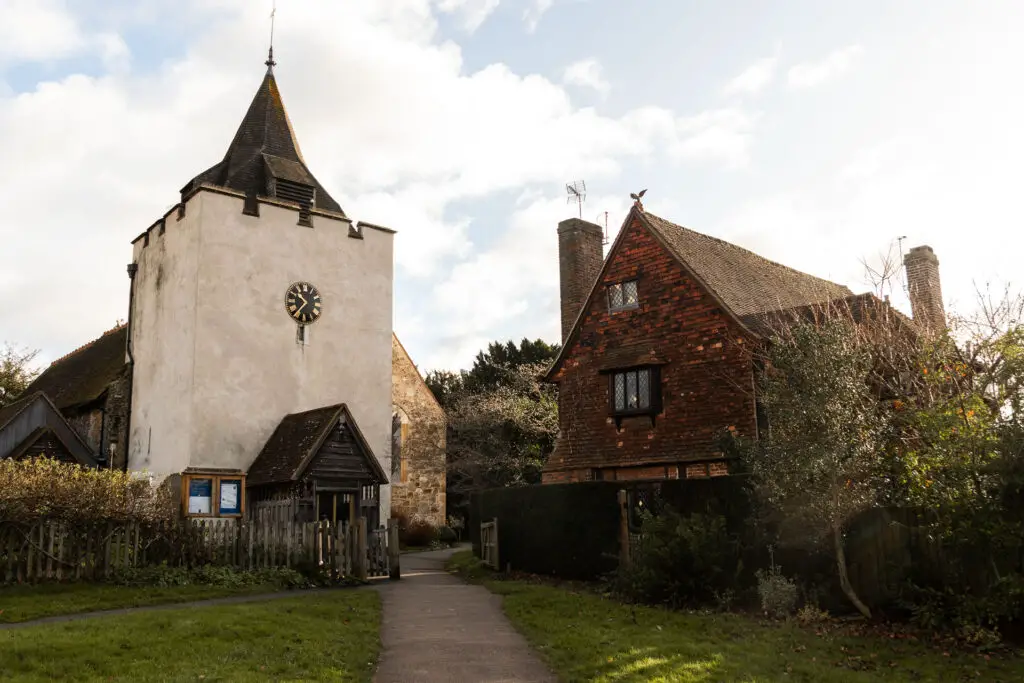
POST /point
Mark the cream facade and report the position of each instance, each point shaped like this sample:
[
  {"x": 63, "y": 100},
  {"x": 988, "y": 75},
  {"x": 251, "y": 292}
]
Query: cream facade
[{"x": 218, "y": 361}]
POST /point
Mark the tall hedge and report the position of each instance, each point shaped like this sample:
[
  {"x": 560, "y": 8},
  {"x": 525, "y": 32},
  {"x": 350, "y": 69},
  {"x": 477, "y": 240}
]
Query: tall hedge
[
  {"x": 572, "y": 530},
  {"x": 564, "y": 530}
]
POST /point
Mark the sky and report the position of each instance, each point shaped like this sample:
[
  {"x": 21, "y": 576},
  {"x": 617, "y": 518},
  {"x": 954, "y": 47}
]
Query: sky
[{"x": 820, "y": 135}]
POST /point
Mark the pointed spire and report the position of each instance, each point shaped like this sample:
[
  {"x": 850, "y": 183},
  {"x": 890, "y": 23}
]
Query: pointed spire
[{"x": 264, "y": 148}]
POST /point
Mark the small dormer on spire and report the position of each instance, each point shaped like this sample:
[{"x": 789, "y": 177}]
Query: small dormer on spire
[{"x": 264, "y": 158}]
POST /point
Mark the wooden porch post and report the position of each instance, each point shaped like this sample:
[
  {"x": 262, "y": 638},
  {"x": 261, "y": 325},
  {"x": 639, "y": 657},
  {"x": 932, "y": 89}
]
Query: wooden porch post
[
  {"x": 394, "y": 556},
  {"x": 624, "y": 559}
]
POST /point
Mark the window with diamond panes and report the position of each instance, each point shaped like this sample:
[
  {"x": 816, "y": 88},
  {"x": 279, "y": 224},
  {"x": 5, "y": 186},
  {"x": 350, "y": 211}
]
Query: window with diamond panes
[
  {"x": 623, "y": 295},
  {"x": 634, "y": 391}
]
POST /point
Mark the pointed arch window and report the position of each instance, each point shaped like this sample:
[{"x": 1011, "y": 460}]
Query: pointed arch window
[{"x": 399, "y": 435}]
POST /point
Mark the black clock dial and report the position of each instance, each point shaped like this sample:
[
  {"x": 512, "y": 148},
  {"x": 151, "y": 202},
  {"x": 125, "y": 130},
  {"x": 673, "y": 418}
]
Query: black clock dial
[{"x": 302, "y": 302}]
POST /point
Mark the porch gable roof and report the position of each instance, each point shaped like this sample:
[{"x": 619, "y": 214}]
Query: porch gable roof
[{"x": 299, "y": 438}]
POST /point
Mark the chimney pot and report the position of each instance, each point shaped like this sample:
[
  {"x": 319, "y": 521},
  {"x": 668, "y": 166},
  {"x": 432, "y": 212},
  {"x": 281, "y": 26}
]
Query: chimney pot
[{"x": 580, "y": 258}]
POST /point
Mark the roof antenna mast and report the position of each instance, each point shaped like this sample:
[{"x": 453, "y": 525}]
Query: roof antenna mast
[
  {"x": 270, "y": 55},
  {"x": 577, "y": 192},
  {"x": 605, "y": 240}
]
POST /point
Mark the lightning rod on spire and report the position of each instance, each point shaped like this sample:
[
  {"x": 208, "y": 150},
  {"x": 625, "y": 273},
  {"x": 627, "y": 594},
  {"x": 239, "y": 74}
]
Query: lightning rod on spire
[{"x": 270, "y": 53}]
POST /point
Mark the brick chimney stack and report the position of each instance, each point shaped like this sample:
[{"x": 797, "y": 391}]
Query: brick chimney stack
[
  {"x": 925, "y": 288},
  {"x": 580, "y": 257}
]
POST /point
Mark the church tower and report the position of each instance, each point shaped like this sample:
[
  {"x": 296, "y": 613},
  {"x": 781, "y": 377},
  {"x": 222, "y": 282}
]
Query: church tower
[{"x": 253, "y": 300}]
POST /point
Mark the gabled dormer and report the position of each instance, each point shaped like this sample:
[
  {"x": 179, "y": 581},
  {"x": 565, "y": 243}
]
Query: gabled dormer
[{"x": 264, "y": 159}]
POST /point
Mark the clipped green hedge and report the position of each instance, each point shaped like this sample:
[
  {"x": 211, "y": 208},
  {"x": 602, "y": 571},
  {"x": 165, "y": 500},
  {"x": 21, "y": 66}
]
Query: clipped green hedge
[
  {"x": 571, "y": 531},
  {"x": 564, "y": 530}
]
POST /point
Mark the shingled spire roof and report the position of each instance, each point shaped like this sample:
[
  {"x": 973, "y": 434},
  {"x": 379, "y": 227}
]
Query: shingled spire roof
[{"x": 264, "y": 157}]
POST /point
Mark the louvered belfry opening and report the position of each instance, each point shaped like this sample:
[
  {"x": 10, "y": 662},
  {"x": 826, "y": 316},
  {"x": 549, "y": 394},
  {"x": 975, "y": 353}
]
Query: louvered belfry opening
[{"x": 300, "y": 193}]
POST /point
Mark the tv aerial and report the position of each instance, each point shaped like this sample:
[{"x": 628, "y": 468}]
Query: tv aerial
[{"x": 576, "y": 191}]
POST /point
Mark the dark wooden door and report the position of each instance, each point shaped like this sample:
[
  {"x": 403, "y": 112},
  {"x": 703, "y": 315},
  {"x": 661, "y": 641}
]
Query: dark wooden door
[{"x": 334, "y": 506}]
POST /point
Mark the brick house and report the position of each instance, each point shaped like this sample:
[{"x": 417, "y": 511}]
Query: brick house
[{"x": 657, "y": 339}]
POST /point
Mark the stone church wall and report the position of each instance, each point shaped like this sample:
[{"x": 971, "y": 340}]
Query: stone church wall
[
  {"x": 102, "y": 424},
  {"x": 418, "y": 475}
]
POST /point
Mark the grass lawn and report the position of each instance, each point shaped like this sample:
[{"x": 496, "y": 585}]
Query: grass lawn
[
  {"x": 585, "y": 637},
  {"x": 321, "y": 637},
  {"x": 24, "y": 603}
]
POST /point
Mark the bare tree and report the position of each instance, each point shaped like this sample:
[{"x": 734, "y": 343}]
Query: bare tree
[{"x": 16, "y": 372}]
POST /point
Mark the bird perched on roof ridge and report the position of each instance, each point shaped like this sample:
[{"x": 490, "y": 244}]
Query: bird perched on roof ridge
[{"x": 635, "y": 196}]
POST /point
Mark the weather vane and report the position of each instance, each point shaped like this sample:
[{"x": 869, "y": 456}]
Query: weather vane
[
  {"x": 270, "y": 55},
  {"x": 636, "y": 197}
]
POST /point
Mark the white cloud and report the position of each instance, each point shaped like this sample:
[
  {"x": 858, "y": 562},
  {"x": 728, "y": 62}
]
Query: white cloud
[
  {"x": 586, "y": 73},
  {"x": 389, "y": 119},
  {"x": 535, "y": 11},
  {"x": 113, "y": 51},
  {"x": 810, "y": 74},
  {"x": 722, "y": 135},
  {"x": 473, "y": 12},
  {"x": 753, "y": 79},
  {"x": 37, "y": 30},
  {"x": 509, "y": 290}
]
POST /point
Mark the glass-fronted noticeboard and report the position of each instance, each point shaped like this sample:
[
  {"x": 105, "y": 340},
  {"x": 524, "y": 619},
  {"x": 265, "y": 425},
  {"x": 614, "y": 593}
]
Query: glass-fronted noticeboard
[{"x": 208, "y": 494}]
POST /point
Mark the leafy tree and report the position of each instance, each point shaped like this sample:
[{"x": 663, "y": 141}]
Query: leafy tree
[
  {"x": 16, "y": 372},
  {"x": 860, "y": 416},
  {"x": 498, "y": 365},
  {"x": 818, "y": 467},
  {"x": 502, "y": 422},
  {"x": 444, "y": 384},
  {"x": 502, "y": 436}
]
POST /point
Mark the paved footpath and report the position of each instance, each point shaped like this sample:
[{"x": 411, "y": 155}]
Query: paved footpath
[{"x": 438, "y": 629}]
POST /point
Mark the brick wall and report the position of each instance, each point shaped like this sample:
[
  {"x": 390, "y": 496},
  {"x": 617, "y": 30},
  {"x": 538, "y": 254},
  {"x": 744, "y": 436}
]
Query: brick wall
[
  {"x": 580, "y": 257},
  {"x": 925, "y": 287},
  {"x": 418, "y": 481},
  {"x": 706, "y": 376}
]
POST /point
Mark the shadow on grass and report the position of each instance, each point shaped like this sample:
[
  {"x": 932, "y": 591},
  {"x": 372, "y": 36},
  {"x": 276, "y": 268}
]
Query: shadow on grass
[{"x": 585, "y": 637}]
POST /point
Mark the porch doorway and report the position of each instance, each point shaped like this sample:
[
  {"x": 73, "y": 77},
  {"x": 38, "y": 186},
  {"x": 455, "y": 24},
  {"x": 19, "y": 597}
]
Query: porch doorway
[{"x": 335, "y": 506}]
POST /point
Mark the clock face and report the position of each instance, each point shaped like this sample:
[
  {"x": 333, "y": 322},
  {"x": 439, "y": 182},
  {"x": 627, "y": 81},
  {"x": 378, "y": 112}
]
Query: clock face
[{"x": 302, "y": 302}]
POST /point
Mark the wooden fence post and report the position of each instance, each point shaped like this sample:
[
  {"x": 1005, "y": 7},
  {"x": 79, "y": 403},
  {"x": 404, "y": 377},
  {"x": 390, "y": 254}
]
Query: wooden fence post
[
  {"x": 360, "y": 558},
  {"x": 624, "y": 558},
  {"x": 394, "y": 568}
]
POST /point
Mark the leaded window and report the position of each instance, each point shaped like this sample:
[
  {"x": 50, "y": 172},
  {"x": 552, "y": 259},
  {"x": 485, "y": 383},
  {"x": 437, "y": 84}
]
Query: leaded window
[
  {"x": 635, "y": 391},
  {"x": 623, "y": 295}
]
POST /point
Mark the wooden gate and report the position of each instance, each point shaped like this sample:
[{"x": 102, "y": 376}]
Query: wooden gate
[{"x": 489, "y": 543}]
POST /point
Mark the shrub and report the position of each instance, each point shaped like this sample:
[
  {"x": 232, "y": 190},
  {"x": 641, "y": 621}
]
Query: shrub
[
  {"x": 447, "y": 535},
  {"x": 811, "y": 614},
  {"x": 418, "y": 533},
  {"x": 164, "y": 576},
  {"x": 43, "y": 488},
  {"x": 457, "y": 524},
  {"x": 778, "y": 594},
  {"x": 691, "y": 560}
]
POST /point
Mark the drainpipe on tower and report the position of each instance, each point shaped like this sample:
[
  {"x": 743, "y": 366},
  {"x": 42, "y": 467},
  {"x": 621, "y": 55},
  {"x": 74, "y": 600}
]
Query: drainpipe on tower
[{"x": 133, "y": 268}]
